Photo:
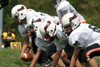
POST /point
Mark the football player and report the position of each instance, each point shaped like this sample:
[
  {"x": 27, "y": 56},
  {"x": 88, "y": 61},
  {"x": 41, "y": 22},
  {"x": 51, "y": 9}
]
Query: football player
[
  {"x": 63, "y": 7},
  {"x": 54, "y": 33},
  {"x": 22, "y": 16},
  {"x": 85, "y": 38}
]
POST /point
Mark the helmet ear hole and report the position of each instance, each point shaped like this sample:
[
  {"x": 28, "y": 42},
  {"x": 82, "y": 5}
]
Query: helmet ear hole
[
  {"x": 36, "y": 27},
  {"x": 51, "y": 30},
  {"x": 21, "y": 13}
]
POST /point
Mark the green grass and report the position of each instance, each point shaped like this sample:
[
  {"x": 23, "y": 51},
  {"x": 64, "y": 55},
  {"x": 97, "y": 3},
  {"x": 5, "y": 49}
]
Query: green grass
[{"x": 11, "y": 58}]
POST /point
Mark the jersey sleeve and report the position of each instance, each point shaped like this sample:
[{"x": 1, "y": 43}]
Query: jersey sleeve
[
  {"x": 42, "y": 45},
  {"x": 77, "y": 45},
  {"x": 13, "y": 35},
  {"x": 4, "y": 34},
  {"x": 60, "y": 44},
  {"x": 22, "y": 30},
  {"x": 75, "y": 38}
]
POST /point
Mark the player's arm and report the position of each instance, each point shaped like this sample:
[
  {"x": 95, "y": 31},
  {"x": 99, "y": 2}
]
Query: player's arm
[
  {"x": 78, "y": 64},
  {"x": 74, "y": 57},
  {"x": 35, "y": 58},
  {"x": 5, "y": 38},
  {"x": 64, "y": 57},
  {"x": 56, "y": 58},
  {"x": 29, "y": 46},
  {"x": 26, "y": 41},
  {"x": 13, "y": 36},
  {"x": 13, "y": 39},
  {"x": 75, "y": 54},
  {"x": 59, "y": 15}
]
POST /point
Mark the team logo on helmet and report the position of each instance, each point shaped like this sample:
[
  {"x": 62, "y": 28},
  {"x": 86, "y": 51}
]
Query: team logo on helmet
[
  {"x": 22, "y": 7},
  {"x": 48, "y": 23}
]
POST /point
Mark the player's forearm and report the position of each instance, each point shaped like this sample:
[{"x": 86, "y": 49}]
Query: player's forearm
[
  {"x": 29, "y": 47},
  {"x": 60, "y": 63},
  {"x": 13, "y": 39},
  {"x": 34, "y": 61},
  {"x": 35, "y": 58},
  {"x": 27, "y": 50},
  {"x": 78, "y": 64},
  {"x": 24, "y": 48},
  {"x": 55, "y": 60},
  {"x": 5, "y": 38}
]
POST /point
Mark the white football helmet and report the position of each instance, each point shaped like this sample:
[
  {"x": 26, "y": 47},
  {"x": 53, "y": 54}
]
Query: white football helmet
[
  {"x": 70, "y": 19},
  {"x": 19, "y": 11},
  {"x": 48, "y": 27},
  {"x": 34, "y": 23}
]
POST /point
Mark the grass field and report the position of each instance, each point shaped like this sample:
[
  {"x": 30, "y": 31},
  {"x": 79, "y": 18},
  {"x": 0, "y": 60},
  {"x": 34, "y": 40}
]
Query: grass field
[{"x": 11, "y": 58}]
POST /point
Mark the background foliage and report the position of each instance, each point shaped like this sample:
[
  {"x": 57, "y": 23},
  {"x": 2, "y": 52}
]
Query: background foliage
[{"x": 90, "y": 9}]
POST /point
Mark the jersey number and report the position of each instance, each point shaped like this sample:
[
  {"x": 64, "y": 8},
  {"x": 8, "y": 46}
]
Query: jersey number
[{"x": 94, "y": 28}]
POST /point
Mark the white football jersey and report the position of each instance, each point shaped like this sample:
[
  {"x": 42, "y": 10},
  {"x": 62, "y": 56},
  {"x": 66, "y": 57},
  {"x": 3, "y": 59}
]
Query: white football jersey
[
  {"x": 40, "y": 42},
  {"x": 22, "y": 28},
  {"x": 46, "y": 17},
  {"x": 61, "y": 40},
  {"x": 86, "y": 35},
  {"x": 23, "y": 31},
  {"x": 66, "y": 7},
  {"x": 31, "y": 13}
]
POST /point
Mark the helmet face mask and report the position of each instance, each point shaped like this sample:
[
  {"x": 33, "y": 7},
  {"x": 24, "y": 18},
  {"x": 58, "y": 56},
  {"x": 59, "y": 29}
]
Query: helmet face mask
[{"x": 48, "y": 38}]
